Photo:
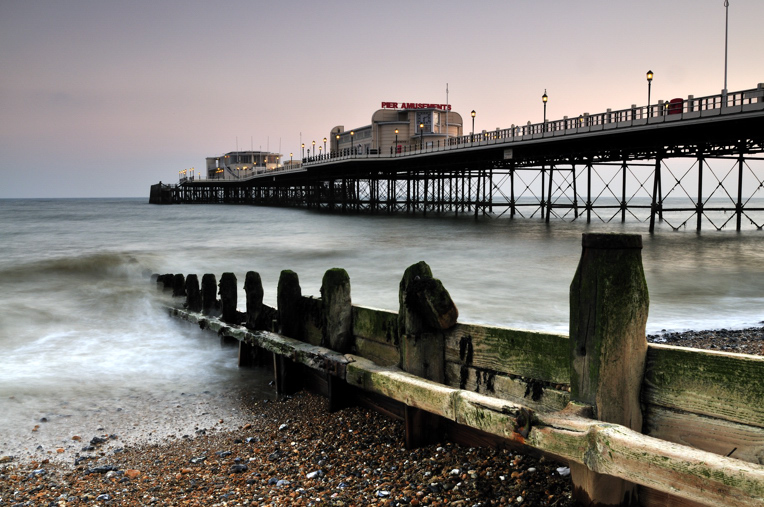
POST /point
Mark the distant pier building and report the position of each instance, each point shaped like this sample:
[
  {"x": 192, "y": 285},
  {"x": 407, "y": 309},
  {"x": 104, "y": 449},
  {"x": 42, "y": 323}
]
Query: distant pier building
[{"x": 236, "y": 165}]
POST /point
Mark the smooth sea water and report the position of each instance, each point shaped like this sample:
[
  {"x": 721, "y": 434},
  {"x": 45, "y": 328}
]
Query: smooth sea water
[{"x": 87, "y": 347}]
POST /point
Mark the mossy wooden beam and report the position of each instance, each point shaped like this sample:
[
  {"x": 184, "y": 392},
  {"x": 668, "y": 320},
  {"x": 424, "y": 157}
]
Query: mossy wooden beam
[
  {"x": 605, "y": 448},
  {"x": 375, "y": 325},
  {"x": 542, "y": 356},
  {"x": 313, "y": 356},
  {"x": 716, "y": 384},
  {"x": 527, "y": 392},
  {"x": 740, "y": 441},
  {"x": 678, "y": 470}
]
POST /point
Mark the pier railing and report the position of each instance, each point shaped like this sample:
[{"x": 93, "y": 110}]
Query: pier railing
[{"x": 677, "y": 422}]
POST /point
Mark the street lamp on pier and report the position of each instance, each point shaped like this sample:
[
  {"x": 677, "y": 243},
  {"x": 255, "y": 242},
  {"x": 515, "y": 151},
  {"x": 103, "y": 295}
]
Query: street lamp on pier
[
  {"x": 314, "y": 149},
  {"x": 726, "y": 32},
  {"x": 421, "y": 136},
  {"x": 337, "y": 138},
  {"x": 303, "y": 150},
  {"x": 649, "y": 85},
  {"x": 319, "y": 152},
  {"x": 352, "y": 133},
  {"x": 544, "y": 98},
  {"x": 324, "y": 145},
  {"x": 396, "y": 141},
  {"x": 472, "y": 135}
]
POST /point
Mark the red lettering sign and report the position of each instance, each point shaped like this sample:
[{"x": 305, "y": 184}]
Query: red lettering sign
[{"x": 415, "y": 105}]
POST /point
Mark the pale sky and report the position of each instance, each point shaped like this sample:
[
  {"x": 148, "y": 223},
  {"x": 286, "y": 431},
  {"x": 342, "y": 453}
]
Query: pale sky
[{"x": 103, "y": 98}]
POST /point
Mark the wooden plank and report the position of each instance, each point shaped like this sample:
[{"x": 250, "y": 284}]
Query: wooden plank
[
  {"x": 506, "y": 388},
  {"x": 376, "y": 325},
  {"x": 313, "y": 312},
  {"x": 740, "y": 441},
  {"x": 542, "y": 356},
  {"x": 391, "y": 382},
  {"x": 716, "y": 384},
  {"x": 381, "y": 353},
  {"x": 667, "y": 467},
  {"x": 649, "y": 497}
]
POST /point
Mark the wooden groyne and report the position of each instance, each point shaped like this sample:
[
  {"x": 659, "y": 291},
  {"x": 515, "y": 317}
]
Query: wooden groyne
[{"x": 639, "y": 424}]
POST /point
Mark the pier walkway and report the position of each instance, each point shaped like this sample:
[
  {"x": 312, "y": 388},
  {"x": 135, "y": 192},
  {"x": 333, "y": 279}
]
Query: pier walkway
[{"x": 630, "y": 163}]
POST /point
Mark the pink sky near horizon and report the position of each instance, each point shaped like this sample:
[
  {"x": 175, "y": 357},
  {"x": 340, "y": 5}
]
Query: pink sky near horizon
[{"x": 103, "y": 99}]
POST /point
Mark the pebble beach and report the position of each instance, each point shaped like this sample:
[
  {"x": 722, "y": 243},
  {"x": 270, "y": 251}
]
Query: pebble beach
[{"x": 291, "y": 452}]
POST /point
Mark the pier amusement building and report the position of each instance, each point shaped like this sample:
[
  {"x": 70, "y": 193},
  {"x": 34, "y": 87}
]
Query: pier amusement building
[{"x": 398, "y": 127}]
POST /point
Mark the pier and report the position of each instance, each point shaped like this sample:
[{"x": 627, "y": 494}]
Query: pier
[
  {"x": 594, "y": 167},
  {"x": 638, "y": 423}
]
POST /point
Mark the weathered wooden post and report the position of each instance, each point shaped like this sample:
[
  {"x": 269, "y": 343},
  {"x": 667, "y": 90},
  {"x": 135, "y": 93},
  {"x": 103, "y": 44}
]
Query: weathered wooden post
[
  {"x": 608, "y": 312},
  {"x": 338, "y": 310},
  {"x": 209, "y": 294},
  {"x": 178, "y": 285},
  {"x": 425, "y": 311},
  {"x": 337, "y": 328},
  {"x": 193, "y": 295},
  {"x": 289, "y": 300},
  {"x": 253, "y": 288},
  {"x": 228, "y": 299},
  {"x": 249, "y": 355},
  {"x": 166, "y": 281}
]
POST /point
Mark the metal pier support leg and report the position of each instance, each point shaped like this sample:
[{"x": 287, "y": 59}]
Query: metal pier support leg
[
  {"x": 589, "y": 193},
  {"x": 549, "y": 194},
  {"x": 699, "y": 207},
  {"x": 543, "y": 179},
  {"x": 623, "y": 192},
  {"x": 477, "y": 194},
  {"x": 512, "y": 190},
  {"x": 575, "y": 192},
  {"x": 656, "y": 185},
  {"x": 739, "y": 205}
]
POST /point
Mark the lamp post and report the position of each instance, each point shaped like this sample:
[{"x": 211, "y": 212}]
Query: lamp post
[
  {"x": 352, "y": 133},
  {"x": 472, "y": 135},
  {"x": 421, "y": 136},
  {"x": 290, "y": 159},
  {"x": 544, "y": 98},
  {"x": 337, "y": 137},
  {"x": 726, "y": 32},
  {"x": 325, "y": 145},
  {"x": 396, "y": 141},
  {"x": 303, "y": 150},
  {"x": 649, "y": 85},
  {"x": 319, "y": 152},
  {"x": 314, "y": 149}
]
